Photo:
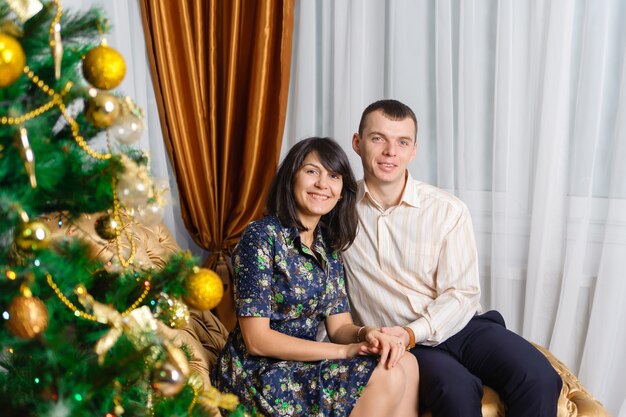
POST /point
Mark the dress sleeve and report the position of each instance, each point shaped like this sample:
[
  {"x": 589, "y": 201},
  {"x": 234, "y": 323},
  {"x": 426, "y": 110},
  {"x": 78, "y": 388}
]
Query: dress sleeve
[
  {"x": 337, "y": 297},
  {"x": 253, "y": 264}
]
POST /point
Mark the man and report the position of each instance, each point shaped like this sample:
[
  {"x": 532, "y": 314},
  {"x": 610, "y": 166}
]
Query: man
[{"x": 413, "y": 268}]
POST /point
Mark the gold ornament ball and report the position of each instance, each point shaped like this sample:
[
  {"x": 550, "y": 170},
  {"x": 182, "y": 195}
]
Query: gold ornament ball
[
  {"x": 105, "y": 227},
  {"x": 12, "y": 60},
  {"x": 104, "y": 67},
  {"x": 32, "y": 236},
  {"x": 28, "y": 317},
  {"x": 172, "y": 311},
  {"x": 204, "y": 289},
  {"x": 128, "y": 129},
  {"x": 102, "y": 109},
  {"x": 167, "y": 379}
]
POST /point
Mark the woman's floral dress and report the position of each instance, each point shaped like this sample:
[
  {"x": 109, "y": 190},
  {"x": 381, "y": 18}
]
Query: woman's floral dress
[{"x": 278, "y": 277}]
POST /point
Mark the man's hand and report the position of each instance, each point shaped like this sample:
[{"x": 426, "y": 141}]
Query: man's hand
[
  {"x": 389, "y": 347},
  {"x": 399, "y": 332}
]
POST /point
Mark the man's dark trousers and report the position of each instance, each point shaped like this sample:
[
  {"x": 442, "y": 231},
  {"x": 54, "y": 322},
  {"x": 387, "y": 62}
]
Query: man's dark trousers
[{"x": 485, "y": 352}]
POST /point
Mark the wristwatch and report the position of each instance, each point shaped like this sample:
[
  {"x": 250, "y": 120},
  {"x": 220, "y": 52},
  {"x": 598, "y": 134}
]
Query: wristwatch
[{"x": 411, "y": 344}]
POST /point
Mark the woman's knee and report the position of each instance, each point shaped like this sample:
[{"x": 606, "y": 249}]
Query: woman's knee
[
  {"x": 390, "y": 381},
  {"x": 409, "y": 363}
]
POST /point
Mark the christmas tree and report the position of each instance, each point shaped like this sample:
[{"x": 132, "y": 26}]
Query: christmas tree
[{"x": 78, "y": 333}]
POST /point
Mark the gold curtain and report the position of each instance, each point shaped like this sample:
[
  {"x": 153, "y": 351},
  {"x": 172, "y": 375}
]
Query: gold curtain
[{"x": 220, "y": 70}]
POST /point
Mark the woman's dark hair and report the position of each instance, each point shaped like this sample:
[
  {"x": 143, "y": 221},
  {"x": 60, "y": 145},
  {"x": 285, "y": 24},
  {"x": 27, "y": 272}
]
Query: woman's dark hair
[{"x": 341, "y": 222}]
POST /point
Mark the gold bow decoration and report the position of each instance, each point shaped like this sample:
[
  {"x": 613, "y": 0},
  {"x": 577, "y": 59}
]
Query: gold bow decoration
[
  {"x": 139, "y": 325},
  {"x": 210, "y": 398},
  {"x": 25, "y": 9}
]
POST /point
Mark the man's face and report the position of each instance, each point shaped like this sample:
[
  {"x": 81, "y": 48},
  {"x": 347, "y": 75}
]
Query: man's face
[{"x": 386, "y": 148}]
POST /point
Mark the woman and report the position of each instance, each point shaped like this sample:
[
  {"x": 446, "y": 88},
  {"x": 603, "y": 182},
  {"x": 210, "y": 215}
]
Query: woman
[{"x": 288, "y": 279}]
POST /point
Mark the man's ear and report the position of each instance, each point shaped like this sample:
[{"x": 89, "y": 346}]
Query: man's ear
[{"x": 356, "y": 143}]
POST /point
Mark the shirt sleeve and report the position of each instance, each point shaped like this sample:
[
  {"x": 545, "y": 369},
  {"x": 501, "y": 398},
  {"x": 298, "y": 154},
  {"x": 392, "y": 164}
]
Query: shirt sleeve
[
  {"x": 458, "y": 286},
  {"x": 253, "y": 265}
]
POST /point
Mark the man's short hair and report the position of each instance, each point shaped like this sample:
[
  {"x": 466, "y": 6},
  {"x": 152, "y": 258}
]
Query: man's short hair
[{"x": 392, "y": 109}]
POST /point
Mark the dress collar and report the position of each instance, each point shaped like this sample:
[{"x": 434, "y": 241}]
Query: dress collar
[{"x": 292, "y": 235}]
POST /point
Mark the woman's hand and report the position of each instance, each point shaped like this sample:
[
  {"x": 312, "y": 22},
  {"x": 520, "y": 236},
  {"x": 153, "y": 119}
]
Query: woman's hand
[
  {"x": 373, "y": 341},
  {"x": 356, "y": 349}
]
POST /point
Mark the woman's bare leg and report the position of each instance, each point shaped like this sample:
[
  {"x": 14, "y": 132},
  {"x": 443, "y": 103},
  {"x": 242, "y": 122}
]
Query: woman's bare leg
[
  {"x": 390, "y": 392},
  {"x": 408, "y": 406}
]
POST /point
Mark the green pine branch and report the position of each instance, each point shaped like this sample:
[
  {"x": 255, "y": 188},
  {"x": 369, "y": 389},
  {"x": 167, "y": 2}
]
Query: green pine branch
[{"x": 57, "y": 372}]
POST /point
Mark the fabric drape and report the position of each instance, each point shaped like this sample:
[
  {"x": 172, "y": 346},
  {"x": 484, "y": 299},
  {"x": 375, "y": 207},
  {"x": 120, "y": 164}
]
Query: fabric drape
[
  {"x": 521, "y": 108},
  {"x": 220, "y": 71}
]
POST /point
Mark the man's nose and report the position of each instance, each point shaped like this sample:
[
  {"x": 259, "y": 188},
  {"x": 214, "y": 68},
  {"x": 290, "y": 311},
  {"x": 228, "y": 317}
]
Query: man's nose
[{"x": 389, "y": 149}]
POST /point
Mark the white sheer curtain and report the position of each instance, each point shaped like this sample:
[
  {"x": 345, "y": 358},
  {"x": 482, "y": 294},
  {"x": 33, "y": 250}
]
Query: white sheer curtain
[
  {"x": 127, "y": 37},
  {"x": 522, "y": 112}
]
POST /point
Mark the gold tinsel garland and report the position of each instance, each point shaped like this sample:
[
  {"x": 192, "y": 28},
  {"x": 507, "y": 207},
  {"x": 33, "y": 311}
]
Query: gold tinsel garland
[{"x": 82, "y": 292}]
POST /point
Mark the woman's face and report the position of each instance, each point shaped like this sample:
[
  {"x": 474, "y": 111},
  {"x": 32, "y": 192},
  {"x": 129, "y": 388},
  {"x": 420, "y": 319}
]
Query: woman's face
[{"x": 315, "y": 189}]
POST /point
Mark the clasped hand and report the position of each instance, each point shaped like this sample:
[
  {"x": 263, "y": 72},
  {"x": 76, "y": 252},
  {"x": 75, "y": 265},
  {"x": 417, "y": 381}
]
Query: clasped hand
[{"x": 390, "y": 348}]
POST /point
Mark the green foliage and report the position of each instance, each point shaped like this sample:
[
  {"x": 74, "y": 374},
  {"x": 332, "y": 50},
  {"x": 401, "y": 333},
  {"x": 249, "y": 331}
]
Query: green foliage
[{"x": 58, "y": 373}]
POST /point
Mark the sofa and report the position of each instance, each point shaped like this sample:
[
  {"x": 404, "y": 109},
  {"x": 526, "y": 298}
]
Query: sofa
[{"x": 205, "y": 335}]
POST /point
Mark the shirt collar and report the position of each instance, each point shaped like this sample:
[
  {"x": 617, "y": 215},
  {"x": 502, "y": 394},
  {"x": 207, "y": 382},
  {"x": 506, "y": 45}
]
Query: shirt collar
[
  {"x": 361, "y": 190},
  {"x": 409, "y": 194}
]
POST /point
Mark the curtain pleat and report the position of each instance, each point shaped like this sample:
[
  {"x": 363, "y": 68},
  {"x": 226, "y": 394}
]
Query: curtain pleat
[
  {"x": 499, "y": 296},
  {"x": 520, "y": 106},
  {"x": 220, "y": 71},
  {"x": 550, "y": 171}
]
